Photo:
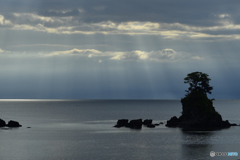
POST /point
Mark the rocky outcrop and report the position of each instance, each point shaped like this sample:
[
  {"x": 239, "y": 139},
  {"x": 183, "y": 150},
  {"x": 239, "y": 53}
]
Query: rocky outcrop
[
  {"x": 121, "y": 123},
  {"x": 151, "y": 126},
  {"x": 2, "y": 123},
  {"x": 147, "y": 122},
  {"x": 173, "y": 122},
  {"x": 198, "y": 114},
  {"x": 199, "y": 124},
  {"x": 135, "y": 124},
  {"x": 10, "y": 124}
]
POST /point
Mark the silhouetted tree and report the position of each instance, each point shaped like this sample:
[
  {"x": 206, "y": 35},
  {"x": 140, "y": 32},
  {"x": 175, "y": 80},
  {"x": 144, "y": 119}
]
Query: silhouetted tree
[{"x": 198, "y": 81}]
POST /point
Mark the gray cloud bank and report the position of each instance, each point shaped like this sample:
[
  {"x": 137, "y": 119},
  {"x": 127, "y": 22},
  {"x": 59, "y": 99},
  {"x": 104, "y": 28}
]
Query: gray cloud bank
[
  {"x": 215, "y": 19},
  {"x": 166, "y": 11}
]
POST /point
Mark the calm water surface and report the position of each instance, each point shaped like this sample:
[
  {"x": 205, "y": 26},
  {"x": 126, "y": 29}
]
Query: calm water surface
[{"x": 82, "y": 130}]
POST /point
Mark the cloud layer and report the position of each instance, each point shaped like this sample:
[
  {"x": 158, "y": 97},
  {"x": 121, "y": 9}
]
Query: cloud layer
[
  {"x": 70, "y": 25},
  {"x": 165, "y": 55},
  {"x": 169, "y": 19}
]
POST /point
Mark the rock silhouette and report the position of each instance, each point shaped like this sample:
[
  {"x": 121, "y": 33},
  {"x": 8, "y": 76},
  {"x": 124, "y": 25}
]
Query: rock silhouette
[
  {"x": 135, "y": 123},
  {"x": 121, "y": 123},
  {"x": 147, "y": 122},
  {"x": 10, "y": 124},
  {"x": 198, "y": 112},
  {"x": 151, "y": 126},
  {"x": 2, "y": 123}
]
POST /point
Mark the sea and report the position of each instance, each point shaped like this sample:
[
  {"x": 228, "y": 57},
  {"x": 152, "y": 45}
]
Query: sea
[{"x": 83, "y": 130}]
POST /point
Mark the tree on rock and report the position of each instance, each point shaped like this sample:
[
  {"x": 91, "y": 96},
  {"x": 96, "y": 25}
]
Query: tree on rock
[
  {"x": 198, "y": 81},
  {"x": 198, "y": 112}
]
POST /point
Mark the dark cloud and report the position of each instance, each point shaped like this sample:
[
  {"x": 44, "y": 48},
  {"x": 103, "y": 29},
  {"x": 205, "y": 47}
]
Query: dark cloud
[
  {"x": 49, "y": 13},
  {"x": 197, "y": 13},
  {"x": 105, "y": 16}
]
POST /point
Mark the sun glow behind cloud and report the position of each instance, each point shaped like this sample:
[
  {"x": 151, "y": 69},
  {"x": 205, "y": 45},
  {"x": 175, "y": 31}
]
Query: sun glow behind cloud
[{"x": 165, "y": 55}]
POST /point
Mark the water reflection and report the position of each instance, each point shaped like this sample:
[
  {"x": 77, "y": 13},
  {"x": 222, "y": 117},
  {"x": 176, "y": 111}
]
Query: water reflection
[{"x": 196, "y": 144}]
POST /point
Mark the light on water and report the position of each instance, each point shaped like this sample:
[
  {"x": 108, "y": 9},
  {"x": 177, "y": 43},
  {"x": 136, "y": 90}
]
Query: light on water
[{"x": 84, "y": 130}]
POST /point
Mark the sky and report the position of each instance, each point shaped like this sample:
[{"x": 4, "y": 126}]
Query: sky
[{"x": 112, "y": 49}]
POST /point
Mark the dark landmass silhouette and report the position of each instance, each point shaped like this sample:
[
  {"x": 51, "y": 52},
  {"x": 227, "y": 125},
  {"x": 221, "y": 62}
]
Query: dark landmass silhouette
[{"x": 198, "y": 112}]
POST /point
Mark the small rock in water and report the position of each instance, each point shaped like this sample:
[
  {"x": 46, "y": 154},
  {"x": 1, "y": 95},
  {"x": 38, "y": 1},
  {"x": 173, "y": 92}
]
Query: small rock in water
[
  {"x": 135, "y": 124},
  {"x": 2, "y": 123},
  {"x": 151, "y": 126},
  {"x": 121, "y": 123},
  {"x": 13, "y": 124},
  {"x": 147, "y": 121}
]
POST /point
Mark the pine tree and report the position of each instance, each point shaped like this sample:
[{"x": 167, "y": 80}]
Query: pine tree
[{"x": 198, "y": 81}]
